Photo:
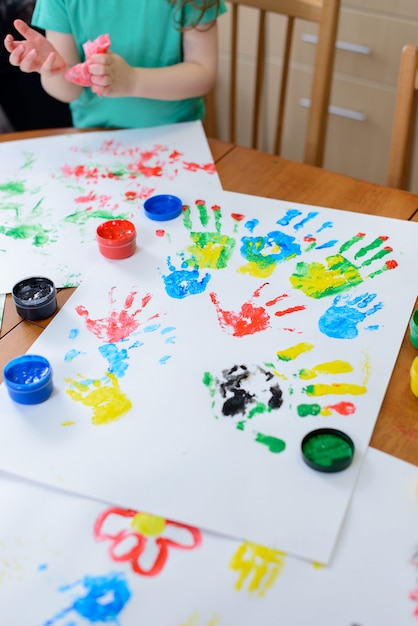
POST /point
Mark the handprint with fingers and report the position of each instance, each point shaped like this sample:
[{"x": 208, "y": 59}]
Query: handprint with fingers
[
  {"x": 104, "y": 396},
  {"x": 211, "y": 248},
  {"x": 184, "y": 281},
  {"x": 252, "y": 317},
  {"x": 340, "y": 274},
  {"x": 241, "y": 393},
  {"x": 264, "y": 252},
  {"x": 120, "y": 323},
  {"x": 342, "y": 319}
]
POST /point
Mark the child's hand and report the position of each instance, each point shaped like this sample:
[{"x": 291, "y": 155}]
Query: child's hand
[
  {"x": 111, "y": 75},
  {"x": 35, "y": 53}
]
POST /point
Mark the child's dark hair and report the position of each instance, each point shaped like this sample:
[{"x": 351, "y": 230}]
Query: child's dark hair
[{"x": 200, "y": 5}]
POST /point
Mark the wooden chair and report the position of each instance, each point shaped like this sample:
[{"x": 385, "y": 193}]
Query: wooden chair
[
  {"x": 326, "y": 14},
  {"x": 404, "y": 120}
]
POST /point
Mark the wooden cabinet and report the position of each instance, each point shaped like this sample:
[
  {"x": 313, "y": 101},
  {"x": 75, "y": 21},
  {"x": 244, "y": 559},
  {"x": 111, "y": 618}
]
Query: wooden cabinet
[{"x": 371, "y": 35}]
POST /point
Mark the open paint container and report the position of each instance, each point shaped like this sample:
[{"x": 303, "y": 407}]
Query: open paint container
[
  {"x": 327, "y": 450},
  {"x": 116, "y": 239},
  {"x": 28, "y": 379},
  {"x": 35, "y": 298}
]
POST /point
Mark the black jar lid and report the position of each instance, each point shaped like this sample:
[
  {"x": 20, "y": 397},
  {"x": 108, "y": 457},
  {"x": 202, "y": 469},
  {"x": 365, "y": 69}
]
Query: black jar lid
[{"x": 327, "y": 450}]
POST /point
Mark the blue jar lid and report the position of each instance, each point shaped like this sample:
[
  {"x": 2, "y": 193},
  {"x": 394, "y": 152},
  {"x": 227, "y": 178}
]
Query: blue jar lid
[
  {"x": 162, "y": 207},
  {"x": 28, "y": 379}
]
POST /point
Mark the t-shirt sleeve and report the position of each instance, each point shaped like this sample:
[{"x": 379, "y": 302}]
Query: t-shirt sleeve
[
  {"x": 51, "y": 15},
  {"x": 191, "y": 13}
]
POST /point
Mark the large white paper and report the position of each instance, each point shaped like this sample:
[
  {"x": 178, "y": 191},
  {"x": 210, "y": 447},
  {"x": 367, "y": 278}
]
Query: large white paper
[
  {"x": 55, "y": 191},
  {"x": 69, "y": 560},
  {"x": 145, "y": 348}
]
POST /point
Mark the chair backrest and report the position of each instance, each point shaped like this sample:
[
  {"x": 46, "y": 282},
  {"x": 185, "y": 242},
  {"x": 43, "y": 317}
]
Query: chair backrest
[
  {"x": 326, "y": 14},
  {"x": 404, "y": 120}
]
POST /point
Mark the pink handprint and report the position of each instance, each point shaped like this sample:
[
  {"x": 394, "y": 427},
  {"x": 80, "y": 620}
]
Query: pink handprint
[{"x": 120, "y": 323}]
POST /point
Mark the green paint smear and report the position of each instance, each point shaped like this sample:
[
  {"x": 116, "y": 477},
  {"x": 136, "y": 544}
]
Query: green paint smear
[
  {"x": 258, "y": 409},
  {"x": 16, "y": 187},
  {"x": 186, "y": 217},
  {"x": 81, "y": 217},
  {"x": 274, "y": 444},
  {"x": 308, "y": 409},
  {"x": 325, "y": 450},
  {"x": 39, "y": 235},
  {"x": 203, "y": 214}
]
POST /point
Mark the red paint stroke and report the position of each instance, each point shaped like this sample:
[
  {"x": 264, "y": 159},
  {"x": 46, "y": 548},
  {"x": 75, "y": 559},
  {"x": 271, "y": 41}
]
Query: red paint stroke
[
  {"x": 160, "y": 232},
  {"x": 141, "y": 194},
  {"x": 309, "y": 239},
  {"x": 292, "y": 309},
  {"x": 277, "y": 299},
  {"x": 238, "y": 217},
  {"x": 360, "y": 235},
  {"x": 410, "y": 433},
  {"x": 391, "y": 264},
  {"x": 174, "y": 156},
  {"x": 248, "y": 321},
  {"x": 209, "y": 168},
  {"x": 343, "y": 408},
  {"x": 414, "y": 596},
  {"x": 383, "y": 237},
  {"x": 199, "y": 202},
  {"x": 119, "y": 324},
  {"x": 133, "y": 555},
  {"x": 216, "y": 207},
  {"x": 91, "y": 197},
  {"x": 148, "y": 171}
]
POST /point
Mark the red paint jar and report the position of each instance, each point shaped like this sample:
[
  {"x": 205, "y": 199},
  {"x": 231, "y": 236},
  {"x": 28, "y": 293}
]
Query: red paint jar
[{"x": 116, "y": 239}]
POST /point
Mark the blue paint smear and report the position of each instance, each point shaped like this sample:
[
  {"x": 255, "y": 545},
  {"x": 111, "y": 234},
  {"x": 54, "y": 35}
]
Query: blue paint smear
[
  {"x": 328, "y": 244},
  {"x": 164, "y": 359},
  {"x": 71, "y": 355},
  {"x": 74, "y": 332},
  {"x": 255, "y": 247},
  {"x": 251, "y": 224},
  {"x": 117, "y": 358},
  {"x": 167, "y": 329},
  {"x": 342, "y": 318},
  {"x": 305, "y": 220},
  {"x": 184, "y": 282},
  {"x": 151, "y": 328},
  {"x": 288, "y": 217},
  {"x": 325, "y": 225},
  {"x": 103, "y": 601}
]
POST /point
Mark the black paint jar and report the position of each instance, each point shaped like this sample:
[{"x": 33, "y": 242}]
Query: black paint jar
[{"x": 35, "y": 298}]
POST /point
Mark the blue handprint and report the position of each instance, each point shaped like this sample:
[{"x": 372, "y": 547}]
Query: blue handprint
[
  {"x": 184, "y": 282},
  {"x": 264, "y": 252},
  {"x": 342, "y": 318}
]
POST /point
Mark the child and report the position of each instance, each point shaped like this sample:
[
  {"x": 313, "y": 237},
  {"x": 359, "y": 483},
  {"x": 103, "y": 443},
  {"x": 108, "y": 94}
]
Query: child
[{"x": 162, "y": 58}]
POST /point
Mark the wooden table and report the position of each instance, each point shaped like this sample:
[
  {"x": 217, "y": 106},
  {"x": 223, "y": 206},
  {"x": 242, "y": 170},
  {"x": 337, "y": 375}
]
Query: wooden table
[{"x": 252, "y": 172}]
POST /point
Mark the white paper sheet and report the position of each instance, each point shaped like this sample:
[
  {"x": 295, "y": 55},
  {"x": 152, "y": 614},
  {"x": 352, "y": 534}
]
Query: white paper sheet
[
  {"x": 55, "y": 191},
  {"x": 65, "y": 559},
  {"x": 137, "y": 415}
]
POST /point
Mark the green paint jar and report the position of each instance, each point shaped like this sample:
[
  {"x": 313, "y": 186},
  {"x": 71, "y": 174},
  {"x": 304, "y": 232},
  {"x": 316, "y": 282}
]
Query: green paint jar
[
  {"x": 327, "y": 450},
  {"x": 413, "y": 329}
]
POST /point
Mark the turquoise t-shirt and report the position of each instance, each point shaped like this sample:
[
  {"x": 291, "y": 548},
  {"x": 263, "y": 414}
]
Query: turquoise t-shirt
[{"x": 145, "y": 34}]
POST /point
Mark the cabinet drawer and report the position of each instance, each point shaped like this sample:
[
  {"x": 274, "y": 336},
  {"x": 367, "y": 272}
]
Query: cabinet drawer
[
  {"x": 376, "y": 44},
  {"x": 404, "y": 8}
]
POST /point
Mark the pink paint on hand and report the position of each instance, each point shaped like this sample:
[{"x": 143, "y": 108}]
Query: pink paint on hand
[{"x": 79, "y": 74}]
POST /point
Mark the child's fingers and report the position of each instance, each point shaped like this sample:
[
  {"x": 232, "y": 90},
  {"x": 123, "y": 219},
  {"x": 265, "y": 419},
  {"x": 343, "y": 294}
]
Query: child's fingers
[
  {"x": 10, "y": 44},
  {"x": 17, "y": 55}
]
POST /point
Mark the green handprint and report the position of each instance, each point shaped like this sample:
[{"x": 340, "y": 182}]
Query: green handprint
[
  {"x": 210, "y": 249},
  {"x": 317, "y": 280}
]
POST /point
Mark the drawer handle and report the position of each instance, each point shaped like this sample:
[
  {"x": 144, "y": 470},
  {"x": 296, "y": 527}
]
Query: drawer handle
[
  {"x": 359, "y": 116},
  {"x": 340, "y": 45}
]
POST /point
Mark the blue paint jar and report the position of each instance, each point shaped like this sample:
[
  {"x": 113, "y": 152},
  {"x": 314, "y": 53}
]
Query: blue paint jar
[
  {"x": 35, "y": 298},
  {"x": 28, "y": 379}
]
